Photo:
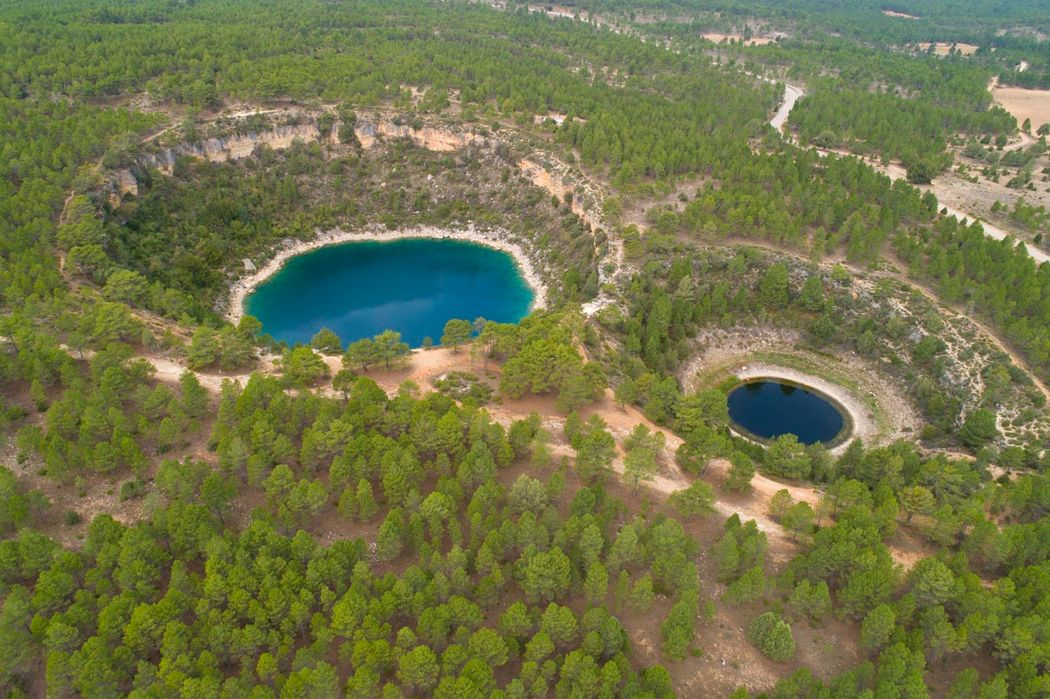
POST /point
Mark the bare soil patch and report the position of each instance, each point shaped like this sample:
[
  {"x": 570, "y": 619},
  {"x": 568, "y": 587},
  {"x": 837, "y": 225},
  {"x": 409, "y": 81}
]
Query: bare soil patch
[
  {"x": 942, "y": 48},
  {"x": 901, "y": 15},
  {"x": 718, "y": 38},
  {"x": 722, "y": 659},
  {"x": 1024, "y": 104},
  {"x": 958, "y": 192},
  {"x": 94, "y": 494}
]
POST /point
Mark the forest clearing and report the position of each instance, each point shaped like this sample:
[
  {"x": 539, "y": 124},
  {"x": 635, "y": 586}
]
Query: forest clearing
[{"x": 1025, "y": 104}]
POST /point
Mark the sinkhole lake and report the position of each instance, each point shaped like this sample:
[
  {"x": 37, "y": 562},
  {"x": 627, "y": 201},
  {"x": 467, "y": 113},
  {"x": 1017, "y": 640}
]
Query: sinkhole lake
[
  {"x": 413, "y": 286},
  {"x": 769, "y": 409}
]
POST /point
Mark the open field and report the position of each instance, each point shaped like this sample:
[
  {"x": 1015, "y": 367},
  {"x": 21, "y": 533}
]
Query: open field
[
  {"x": 941, "y": 48},
  {"x": 753, "y": 41},
  {"x": 1024, "y": 104}
]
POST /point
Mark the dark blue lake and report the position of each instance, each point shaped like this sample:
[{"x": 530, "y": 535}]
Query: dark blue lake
[
  {"x": 413, "y": 286},
  {"x": 769, "y": 409}
]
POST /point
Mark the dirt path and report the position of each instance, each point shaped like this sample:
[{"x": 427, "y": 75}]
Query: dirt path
[
  {"x": 990, "y": 229},
  {"x": 984, "y": 329},
  {"x": 928, "y": 293},
  {"x": 425, "y": 365},
  {"x": 779, "y": 121},
  {"x": 896, "y": 172},
  {"x": 792, "y": 94},
  {"x": 170, "y": 370}
]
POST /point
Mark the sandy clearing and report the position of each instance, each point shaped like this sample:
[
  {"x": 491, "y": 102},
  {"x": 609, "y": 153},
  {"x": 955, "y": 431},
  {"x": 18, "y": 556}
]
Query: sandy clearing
[
  {"x": 1024, "y": 104},
  {"x": 496, "y": 238},
  {"x": 421, "y": 368},
  {"x": 718, "y": 38},
  {"x": 900, "y": 15},
  {"x": 941, "y": 48},
  {"x": 574, "y": 14},
  {"x": 169, "y": 371}
]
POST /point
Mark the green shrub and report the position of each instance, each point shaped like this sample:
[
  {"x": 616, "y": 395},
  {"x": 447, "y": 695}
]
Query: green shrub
[
  {"x": 772, "y": 635},
  {"x": 132, "y": 489}
]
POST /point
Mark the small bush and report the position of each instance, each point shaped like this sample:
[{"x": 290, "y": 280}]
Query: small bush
[
  {"x": 462, "y": 385},
  {"x": 772, "y": 635},
  {"x": 132, "y": 489}
]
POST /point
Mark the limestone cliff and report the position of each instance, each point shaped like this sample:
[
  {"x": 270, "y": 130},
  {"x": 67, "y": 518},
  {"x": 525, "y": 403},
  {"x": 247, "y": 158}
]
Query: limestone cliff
[{"x": 234, "y": 147}]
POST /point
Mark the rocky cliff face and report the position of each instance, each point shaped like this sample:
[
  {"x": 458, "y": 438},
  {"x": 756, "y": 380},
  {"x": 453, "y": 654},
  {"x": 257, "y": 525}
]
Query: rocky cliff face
[
  {"x": 543, "y": 170},
  {"x": 369, "y": 130},
  {"x": 220, "y": 150},
  {"x": 558, "y": 184},
  {"x": 549, "y": 174},
  {"x": 126, "y": 183},
  {"x": 432, "y": 138}
]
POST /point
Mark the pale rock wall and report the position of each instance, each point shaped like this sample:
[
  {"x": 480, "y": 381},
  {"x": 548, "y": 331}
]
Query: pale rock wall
[
  {"x": 126, "y": 183},
  {"x": 368, "y": 131},
  {"x": 220, "y": 150},
  {"x": 555, "y": 178},
  {"x": 558, "y": 184},
  {"x": 429, "y": 137}
]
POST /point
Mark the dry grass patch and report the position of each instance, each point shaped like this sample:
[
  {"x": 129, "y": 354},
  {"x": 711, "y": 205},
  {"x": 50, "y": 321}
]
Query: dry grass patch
[
  {"x": 738, "y": 38},
  {"x": 1025, "y": 104},
  {"x": 942, "y": 48}
]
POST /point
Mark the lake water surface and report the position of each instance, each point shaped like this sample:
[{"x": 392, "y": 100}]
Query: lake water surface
[
  {"x": 414, "y": 286},
  {"x": 770, "y": 408}
]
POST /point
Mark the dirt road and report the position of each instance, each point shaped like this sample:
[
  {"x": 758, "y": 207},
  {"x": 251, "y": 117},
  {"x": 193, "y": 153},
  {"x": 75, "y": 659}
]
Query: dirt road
[{"x": 894, "y": 171}]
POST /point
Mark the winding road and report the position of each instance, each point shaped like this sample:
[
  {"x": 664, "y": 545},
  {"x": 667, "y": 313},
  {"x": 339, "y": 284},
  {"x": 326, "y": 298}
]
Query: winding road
[{"x": 793, "y": 93}]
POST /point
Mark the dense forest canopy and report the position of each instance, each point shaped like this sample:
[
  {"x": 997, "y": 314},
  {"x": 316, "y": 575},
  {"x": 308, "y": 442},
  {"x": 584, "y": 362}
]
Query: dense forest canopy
[
  {"x": 1014, "y": 31},
  {"x": 557, "y": 507},
  {"x": 862, "y": 18}
]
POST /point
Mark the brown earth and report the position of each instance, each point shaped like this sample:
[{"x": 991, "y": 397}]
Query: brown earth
[
  {"x": 718, "y": 38},
  {"x": 941, "y": 48},
  {"x": 1024, "y": 104},
  {"x": 423, "y": 366}
]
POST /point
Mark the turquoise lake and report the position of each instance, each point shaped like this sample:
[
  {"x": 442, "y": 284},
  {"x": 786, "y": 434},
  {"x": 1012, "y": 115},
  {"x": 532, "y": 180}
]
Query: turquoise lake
[{"x": 413, "y": 286}]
